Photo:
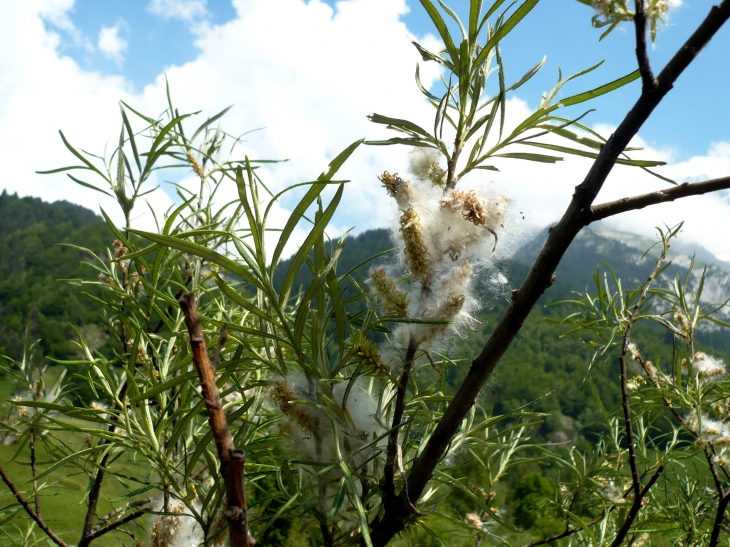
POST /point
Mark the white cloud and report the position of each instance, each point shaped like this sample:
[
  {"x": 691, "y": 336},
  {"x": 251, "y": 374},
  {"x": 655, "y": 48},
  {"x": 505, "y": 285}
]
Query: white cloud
[
  {"x": 111, "y": 44},
  {"x": 187, "y": 10},
  {"x": 308, "y": 74}
]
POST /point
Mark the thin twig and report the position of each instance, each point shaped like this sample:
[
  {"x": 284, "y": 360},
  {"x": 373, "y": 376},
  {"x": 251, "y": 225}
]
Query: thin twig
[
  {"x": 566, "y": 533},
  {"x": 38, "y": 520},
  {"x": 639, "y": 490},
  {"x": 109, "y": 516},
  {"x": 400, "y": 405},
  {"x": 36, "y": 497},
  {"x": 98, "y": 532},
  {"x": 647, "y": 76},
  {"x": 610, "y": 208}
]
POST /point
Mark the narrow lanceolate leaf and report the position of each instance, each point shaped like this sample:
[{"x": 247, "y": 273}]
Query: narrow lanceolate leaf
[
  {"x": 336, "y": 163},
  {"x": 303, "y": 310},
  {"x": 528, "y": 75},
  {"x": 303, "y": 252},
  {"x": 602, "y": 90},
  {"x": 241, "y": 301},
  {"x": 210, "y": 121},
  {"x": 529, "y": 157},
  {"x": 399, "y": 140},
  {"x": 443, "y": 31},
  {"x": 132, "y": 142},
  {"x": 427, "y": 55},
  {"x": 587, "y": 154},
  {"x": 503, "y": 31},
  {"x": 86, "y": 162},
  {"x": 293, "y": 220},
  {"x": 203, "y": 252},
  {"x": 475, "y": 10},
  {"x": 396, "y": 123}
]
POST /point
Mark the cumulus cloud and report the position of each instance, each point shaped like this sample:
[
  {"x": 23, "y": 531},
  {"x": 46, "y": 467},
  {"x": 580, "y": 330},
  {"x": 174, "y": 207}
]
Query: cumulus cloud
[
  {"x": 111, "y": 44},
  {"x": 308, "y": 74},
  {"x": 187, "y": 10}
]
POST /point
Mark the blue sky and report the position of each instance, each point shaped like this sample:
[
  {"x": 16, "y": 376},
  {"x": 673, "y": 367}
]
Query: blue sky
[
  {"x": 559, "y": 29},
  {"x": 309, "y": 71}
]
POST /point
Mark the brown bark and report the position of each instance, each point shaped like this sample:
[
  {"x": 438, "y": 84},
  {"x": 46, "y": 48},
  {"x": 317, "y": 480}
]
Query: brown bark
[{"x": 232, "y": 460}]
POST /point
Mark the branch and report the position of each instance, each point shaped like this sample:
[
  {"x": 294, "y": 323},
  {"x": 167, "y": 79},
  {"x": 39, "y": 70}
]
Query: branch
[
  {"x": 400, "y": 405},
  {"x": 232, "y": 460},
  {"x": 635, "y": 508},
  {"x": 98, "y": 532},
  {"x": 566, "y": 533},
  {"x": 639, "y": 490},
  {"x": 541, "y": 276},
  {"x": 106, "y": 518},
  {"x": 610, "y": 208},
  {"x": 38, "y": 520},
  {"x": 647, "y": 77}
]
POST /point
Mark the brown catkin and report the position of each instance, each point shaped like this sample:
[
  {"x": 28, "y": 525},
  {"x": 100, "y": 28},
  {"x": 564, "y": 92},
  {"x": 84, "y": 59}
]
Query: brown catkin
[
  {"x": 283, "y": 396},
  {"x": 415, "y": 249},
  {"x": 395, "y": 301}
]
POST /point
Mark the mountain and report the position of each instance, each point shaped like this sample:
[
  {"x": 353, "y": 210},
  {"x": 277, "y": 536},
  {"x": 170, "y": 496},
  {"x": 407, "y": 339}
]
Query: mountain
[{"x": 30, "y": 263}]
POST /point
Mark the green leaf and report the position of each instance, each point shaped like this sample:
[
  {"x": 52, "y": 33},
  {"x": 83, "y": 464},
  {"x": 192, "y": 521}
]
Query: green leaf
[
  {"x": 529, "y": 157},
  {"x": 209, "y": 121},
  {"x": 427, "y": 55},
  {"x": 475, "y": 10},
  {"x": 587, "y": 154},
  {"x": 452, "y": 14},
  {"x": 203, "y": 252},
  {"x": 294, "y": 218},
  {"x": 131, "y": 138},
  {"x": 339, "y": 160},
  {"x": 528, "y": 75},
  {"x": 303, "y": 310},
  {"x": 241, "y": 301},
  {"x": 86, "y": 162},
  {"x": 602, "y": 90},
  {"x": 400, "y": 140},
  {"x": 398, "y": 123},
  {"x": 301, "y": 255},
  {"x": 502, "y": 31},
  {"x": 443, "y": 31}
]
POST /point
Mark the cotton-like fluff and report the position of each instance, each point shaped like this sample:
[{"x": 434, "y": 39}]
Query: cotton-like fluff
[
  {"x": 709, "y": 432},
  {"x": 425, "y": 165},
  {"x": 308, "y": 430},
  {"x": 706, "y": 367},
  {"x": 178, "y": 528},
  {"x": 448, "y": 238}
]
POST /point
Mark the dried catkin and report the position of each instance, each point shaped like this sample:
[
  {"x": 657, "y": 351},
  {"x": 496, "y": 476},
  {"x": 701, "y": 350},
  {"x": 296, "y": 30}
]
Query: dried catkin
[
  {"x": 415, "y": 249},
  {"x": 395, "y": 301}
]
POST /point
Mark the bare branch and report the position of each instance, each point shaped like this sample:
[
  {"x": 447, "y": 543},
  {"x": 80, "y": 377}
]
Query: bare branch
[
  {"x": 639, "y": 490},
  {"x": 400, "y": 405},
  {"x": 100, "y": 531},
  {"x": 719, "y": 517},
  {"x": 566, "y": 533},
  {"x": 38, "y": 520},
  {"x": 647, "y": 76},
  {"x": 610, "y": 208}
]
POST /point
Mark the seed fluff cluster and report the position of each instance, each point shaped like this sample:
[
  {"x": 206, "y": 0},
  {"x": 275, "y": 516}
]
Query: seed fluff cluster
[{"x": 448, "y": 236}]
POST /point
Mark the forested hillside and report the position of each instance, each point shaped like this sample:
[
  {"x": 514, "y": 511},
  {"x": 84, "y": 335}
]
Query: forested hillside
[{"x": 31, "y": 262}]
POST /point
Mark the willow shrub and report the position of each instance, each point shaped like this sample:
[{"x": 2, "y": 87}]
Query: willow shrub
[{"x": 333, "y": 394}]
